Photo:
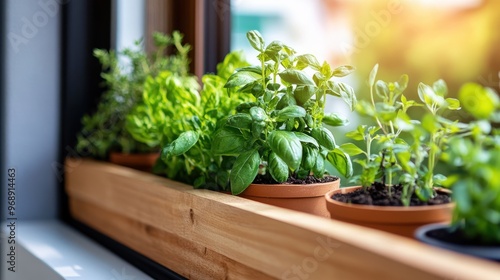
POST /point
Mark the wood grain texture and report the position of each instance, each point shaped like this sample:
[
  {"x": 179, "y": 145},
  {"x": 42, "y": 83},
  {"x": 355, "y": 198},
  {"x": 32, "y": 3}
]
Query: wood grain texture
[{"x": 176, "y": 225}]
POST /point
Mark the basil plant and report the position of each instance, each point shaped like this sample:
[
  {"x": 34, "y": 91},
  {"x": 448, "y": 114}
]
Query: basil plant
[{"x": 282, "y": 132}]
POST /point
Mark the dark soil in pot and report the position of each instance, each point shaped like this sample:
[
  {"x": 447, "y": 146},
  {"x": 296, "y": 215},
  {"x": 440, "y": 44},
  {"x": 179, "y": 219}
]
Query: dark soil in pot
[
  {"x": 378, "y": 195},
  {"x": 458, "y": 237},
  {"x": 441, "y": 235},
  {"x": 262, "y": 179}
]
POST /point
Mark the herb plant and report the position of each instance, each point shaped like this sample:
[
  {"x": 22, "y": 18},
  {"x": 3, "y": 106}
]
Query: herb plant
[
  {"x": 187, "y": 151},
  {"x": 282, "y": 133},
  {"x": 104, "y": 130},
  {"x": 475, "y": 161},
  {"x": 389, "y": 157}
]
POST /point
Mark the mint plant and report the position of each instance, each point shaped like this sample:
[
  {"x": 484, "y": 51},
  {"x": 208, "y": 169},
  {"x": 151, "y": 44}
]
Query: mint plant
[
  {"x": 475, "y": 161},
  {"x": 282, "y": 133},
  {"x": 104, "y": 130},
  {"x": 389, "y": 157}
]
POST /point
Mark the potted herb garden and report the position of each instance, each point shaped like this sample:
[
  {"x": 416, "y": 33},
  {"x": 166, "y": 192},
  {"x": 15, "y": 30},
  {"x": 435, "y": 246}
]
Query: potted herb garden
[
  {"x": 475, "y": 161},
  {"x": 273, "y": 148},
  {"x": 104, "y": 134},
  {"x": 398, "y": 179},
  {"x": 175, "y": 115}
]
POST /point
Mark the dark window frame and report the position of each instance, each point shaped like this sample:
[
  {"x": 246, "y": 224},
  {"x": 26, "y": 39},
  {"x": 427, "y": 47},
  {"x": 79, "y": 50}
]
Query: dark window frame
[{"x": 87, "y": 25}]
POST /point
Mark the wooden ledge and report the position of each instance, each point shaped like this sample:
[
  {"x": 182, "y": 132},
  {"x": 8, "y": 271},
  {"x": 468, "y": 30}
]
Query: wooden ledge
[{"x": 202, "y": 234}]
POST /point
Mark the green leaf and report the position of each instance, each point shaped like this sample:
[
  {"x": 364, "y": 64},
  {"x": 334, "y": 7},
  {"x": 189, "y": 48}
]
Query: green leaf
[
  {"x": 296, "y": 77},
  {"x": 303, "y": 93},
  {"x": 440, "y": 88},
  {"x": 182, "y": 144},
  {"x": 347, "y": 94},
  {"x": 287, "y": 146},
  {"x": 351, "y": 149},
  {"x": 333, "y": 119},
  {"x": 355, "y": 135},
  {"x": 324, "y": 137},
  {"x": 404, "y": 159},
  {"x": 274, "y": 47},
  {"x": 429, "y": 97},
  {"x": 240, "y": 120},
  {"x": 304, "y": 138},
  {"x": 292, "y": 111},
  {"x": 256, "y": 40},
  {"x": 258, "y": 114},
  {"x": 402, "y": 83},
  {"x": 277, "y": 168},
  {"x": 244, "y": 171},
  {"x": 429, "y": 123},
  {"x": 309, "y": 157},
  {"x": 342, "y": 71},
  {"x": 382, "y": 89},
  {"x": 319, "y": 167},
  {"x": 241, "y": 78},
  {"x": 309, "y": 59},
  {"x": 340, "y": 161},
  {"x": 453, "y": 103},
  {"x": 481, "y": 102},
  {"x": 373, "y": 75},
  {"x": 228, "y": 141}
]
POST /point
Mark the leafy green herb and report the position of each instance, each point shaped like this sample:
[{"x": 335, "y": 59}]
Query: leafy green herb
[
  {"x": 475, "y": 162},
  {"x": 104, "y": 130},
  {"x": 284, "y": 127},
  {"x": 389, "y": 157},
  {"x": 187, "y": 129}
]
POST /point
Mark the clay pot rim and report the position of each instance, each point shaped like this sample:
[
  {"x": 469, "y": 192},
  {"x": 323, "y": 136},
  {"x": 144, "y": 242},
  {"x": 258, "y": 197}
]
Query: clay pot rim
[
  {"x": 291, "y": 190},
  {"x": 328, "y": 197}
]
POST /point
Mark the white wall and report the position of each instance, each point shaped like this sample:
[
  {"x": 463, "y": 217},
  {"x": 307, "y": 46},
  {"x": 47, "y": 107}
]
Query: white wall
[{"x": 32, "y": 96}]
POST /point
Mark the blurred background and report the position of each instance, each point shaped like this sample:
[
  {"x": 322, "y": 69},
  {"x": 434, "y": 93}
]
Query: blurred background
[{"x": 456, "y": 40}]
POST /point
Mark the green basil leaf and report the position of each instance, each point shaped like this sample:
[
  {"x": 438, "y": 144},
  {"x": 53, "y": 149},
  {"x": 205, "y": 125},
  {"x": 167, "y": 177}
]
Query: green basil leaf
[
  {"x": 287, "y": 146},
  {"x": 244, "y": 171},
  {"x": 355, "y": 135},
  {"x": 342, "y": 71},
  {"x": 182, "y": 144},
  {"x": 292, "y": 111},
  {"x": 277, "y": 168},
  {"x": 304, "y": 138},
  {"x": 333, "y": 119},
  {"x": 228, "y": 141},
  {"x": 341, "y": 161},
  {"x": 296, "y": 77},
  {"x": 258, "y": 114},
  {"x": 319, "y": 167},
  {"x": 351, "y": 149},
  {"x": 324, "y": 137},
  {"x": 241, "y": 78},
  {"x": 309, "y": 59},
  {"x": 240, "y": 120},
  {"x": 309, "y": 157},
  {"x": 256, "y": 40},
  {"x": 303, "y": 93}
]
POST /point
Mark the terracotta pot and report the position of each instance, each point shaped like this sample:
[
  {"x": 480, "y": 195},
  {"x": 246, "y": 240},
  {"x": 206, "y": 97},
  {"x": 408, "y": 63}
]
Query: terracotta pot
[
  {"x": 480, "y": 251},
  {"x": 395, "y": 219},
  {"x": 142, "y": 162},
  {"x": 305, "y": 198}
]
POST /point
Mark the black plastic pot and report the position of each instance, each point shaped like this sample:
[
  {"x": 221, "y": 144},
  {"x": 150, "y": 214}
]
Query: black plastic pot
[{"x": 480, "y": 251}]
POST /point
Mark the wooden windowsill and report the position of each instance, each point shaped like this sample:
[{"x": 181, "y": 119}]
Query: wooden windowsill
[{"x": 202, "y": 234}]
